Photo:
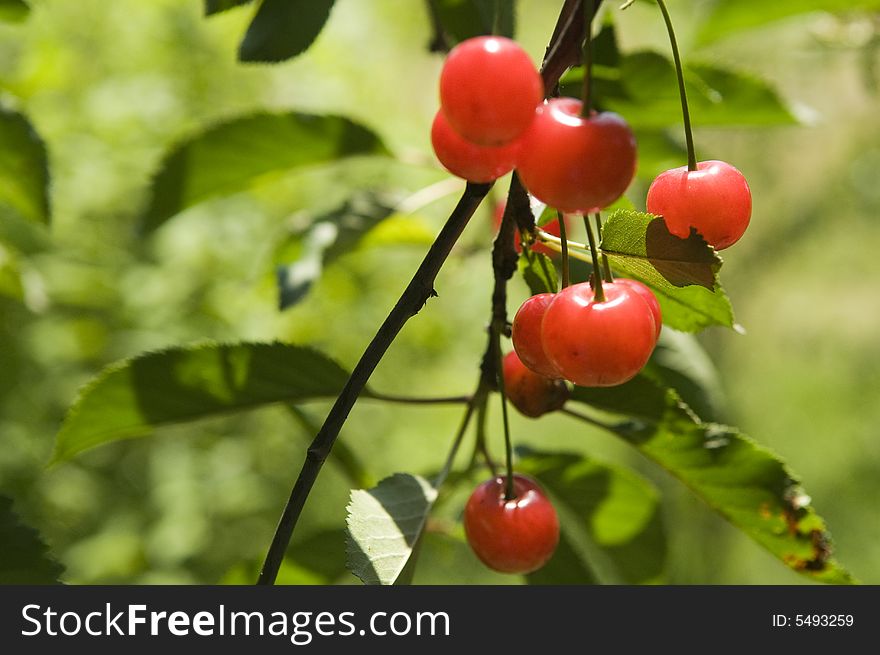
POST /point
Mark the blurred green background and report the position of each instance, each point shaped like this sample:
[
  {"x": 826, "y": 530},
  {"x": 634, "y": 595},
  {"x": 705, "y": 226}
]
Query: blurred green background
[{"x": 111, "y": 86}]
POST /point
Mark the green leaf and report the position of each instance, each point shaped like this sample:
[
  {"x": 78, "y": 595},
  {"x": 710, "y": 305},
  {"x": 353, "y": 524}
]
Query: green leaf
[
  {"x": 566, "y": 567},
  {"x": 216, "y": 6},
  {"x": 243, "y": 153},
  {"x": 283, "y": 29},
  {"x": 742, "y": 481},
  {"x": 716, "y": 96},
  {"x": 384, "y": 526},
  {"x": 10, "y": 274},
  {"x": 730, "y": 16},
  {"x": 616, "y": 510},
  {"x": 13, "y": 11},
  {"x": 329, "y": 237},
  {"x": 452, "y": 562},
  {"x": 679, "y": 362},
  {"x": 464, "y": 19},
  {"x": 682, "y": 273},
  {"x": 539, "y": 272},
  {"x": 24, "y": 173},
  {"x": 25, "y": 558},
  {"x": 134, "y": 397}
]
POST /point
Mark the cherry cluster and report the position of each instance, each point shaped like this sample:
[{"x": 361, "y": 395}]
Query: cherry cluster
[{"x": 493, "y": 118}]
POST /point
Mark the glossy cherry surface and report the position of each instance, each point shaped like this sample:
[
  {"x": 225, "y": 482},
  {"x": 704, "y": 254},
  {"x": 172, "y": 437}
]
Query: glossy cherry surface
[
  {"x": 467, "y": 160},
  {"x": 575, "y": 164},
  {"x": 489, "y": 89},
  {"x": 715, "y": 199},
  {"x": 511, "y": 536},
  {"x": 532, "y": 394},
  {"x": 649, "y": 297},
  {"x": 598, "y": 344},
  {"x": 526, "y": 335}
]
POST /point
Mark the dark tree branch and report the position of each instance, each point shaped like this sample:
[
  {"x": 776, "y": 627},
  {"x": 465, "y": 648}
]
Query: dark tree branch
[
  {"x": 416, "y": 294},
  {"x": 567, "y": 39}
]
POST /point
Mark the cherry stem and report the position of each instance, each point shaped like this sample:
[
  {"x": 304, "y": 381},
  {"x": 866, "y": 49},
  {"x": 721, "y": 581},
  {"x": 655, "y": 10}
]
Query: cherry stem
[
  {"x": 496, "y": 22},
  {"x": 566, "y": 272},
  {"x": 478, "y": 397},
  {"x": 480, "y": 446},
  {"x": 679, "y": 71},
  {"x": 598, "y": 292},
  {"x": 509, "y": 491},
  {"x": 587, "y": 89},
  {"x": 414, "y": 400},
  {"x": 606, "y": 265}
]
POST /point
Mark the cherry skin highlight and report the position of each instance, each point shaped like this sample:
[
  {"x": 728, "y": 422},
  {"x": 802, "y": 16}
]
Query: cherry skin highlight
[
  {"x": 532, "y": 394},
  {"x": 511, "y": 536},
  {"x": 467, "y": 160},
  {"x": 648, "y": 296},
  {"x": 526, "y": 335},
  {"x": 715, "y": 199},
  {"x": 489, "y": 89},
  {"x": 598, "y": 344},
  {"x": 577, "y": 165}
]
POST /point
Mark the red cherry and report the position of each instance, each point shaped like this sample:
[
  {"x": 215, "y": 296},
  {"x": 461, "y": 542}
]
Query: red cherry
[
  {"x": 526, "y": 335},
  {"x": 550, "y": 228},
  {"x": 489, "y": 89},
  {"x": 467, "y": 160},
  {"x": 715, "y": 199},
  {"x": 576, "y": 164},
  {"x": 598, "y": 344},
  {"x": 649, "y": 297},
  {"x": 532, "y": 394},
  {"x": 511, "y": 536}
]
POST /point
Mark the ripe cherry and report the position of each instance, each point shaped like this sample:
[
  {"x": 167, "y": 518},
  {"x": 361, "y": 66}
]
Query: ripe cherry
[
  {"x": 550, "y": 228},
  {"x": 649, "y": 297},
  {"x": 489, "y": 89},
  {"x": 598, "y": 344},
  {"x": 467, "y": 160},
  {"x": 532, "y": 394},
  {"x": 511, "y": 536},
  {"x": 526, "y": 335},
  {"x": 715, "y": 199},
  {"x": 576, "y": 164}
]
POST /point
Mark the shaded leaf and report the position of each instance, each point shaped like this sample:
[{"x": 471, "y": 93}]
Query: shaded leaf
[
  {"x": 24, "y": 173},
  {"x": 238, "y": 155},
  {"x": 539, "y": 272},
  {"x": 464, "y": 19},
  {"x": 25, "y": 558},
  {"x": 13, "y": 11},
  {"x": 330, "y": 236},
  {"x": 216, "y": 6},
  {"x": 730, "y": 16},
  {"x": 742, "y": 481},
  {"x": 679, "y": 362},
  {"x": 384, "y": 525},
  {"x": 717, "y": 96},
  {"x": 566, "y": 567},
  {"x": 134, "y": 397},
  {"x": 616, "y": 510},
  {"x": 283, "y": 29},
  {"x": 452, "y": 562},
  {"x": 682, "y": 273}
]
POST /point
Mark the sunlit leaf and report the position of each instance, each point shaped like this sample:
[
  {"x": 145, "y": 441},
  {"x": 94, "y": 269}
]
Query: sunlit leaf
[
  {"x": 384, "y": 525},
  {"x": 134, "y": 397},
  {"x": 682, "y": 273},
  {"x": 742, "y": 481}
]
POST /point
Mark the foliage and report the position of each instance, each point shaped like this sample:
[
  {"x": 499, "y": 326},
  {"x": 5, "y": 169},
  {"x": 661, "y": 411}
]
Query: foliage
[{"x": 176, "y": 332}]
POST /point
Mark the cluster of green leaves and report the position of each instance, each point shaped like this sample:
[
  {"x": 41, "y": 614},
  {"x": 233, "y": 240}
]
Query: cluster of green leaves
[{"x": 612, "y": 526}]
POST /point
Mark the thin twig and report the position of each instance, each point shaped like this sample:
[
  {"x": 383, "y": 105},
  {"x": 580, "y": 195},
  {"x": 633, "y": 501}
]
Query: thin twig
[{"x": 416, "y": 294}]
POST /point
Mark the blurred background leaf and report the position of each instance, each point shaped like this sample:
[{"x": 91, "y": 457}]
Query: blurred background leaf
[{"x": 282, "y": 29}]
